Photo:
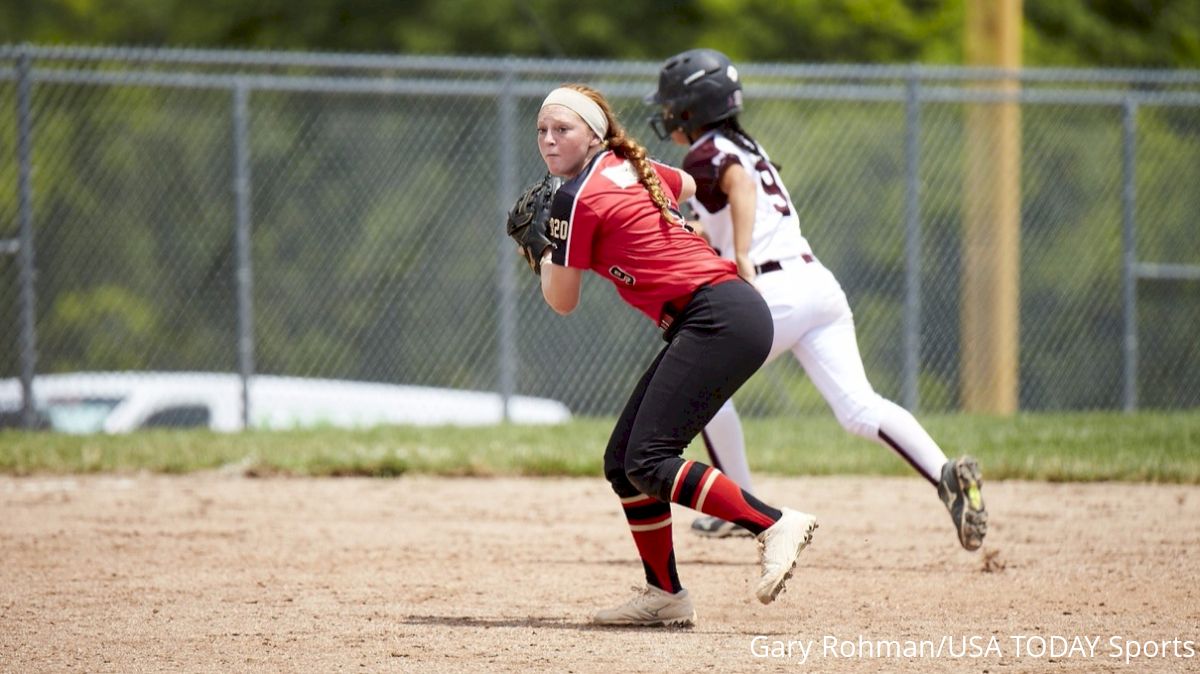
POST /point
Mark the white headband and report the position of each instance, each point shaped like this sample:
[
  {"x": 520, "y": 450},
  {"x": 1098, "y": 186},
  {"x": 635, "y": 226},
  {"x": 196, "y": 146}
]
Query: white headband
[{"x": 581, "y": 105}]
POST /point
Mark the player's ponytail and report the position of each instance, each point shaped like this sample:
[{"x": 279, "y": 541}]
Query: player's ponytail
[{"x": 625, "y": 147}]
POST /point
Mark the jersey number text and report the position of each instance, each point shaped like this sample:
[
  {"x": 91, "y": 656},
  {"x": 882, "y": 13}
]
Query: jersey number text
[
  {"x": 558, "y": 229},
  {"x": 770, "y": 182}
]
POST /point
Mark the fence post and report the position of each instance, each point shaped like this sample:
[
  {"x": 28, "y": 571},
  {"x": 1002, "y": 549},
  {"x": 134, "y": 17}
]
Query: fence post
[
  {"x": 25, "y": 262},
  {"x": 1129, "y": 257},
  {"x": 990, "y": 306},
  {"x": 245, "y": 277},
  {"x": 506, "y": 347},
  {"x": 912, "y": 242}
]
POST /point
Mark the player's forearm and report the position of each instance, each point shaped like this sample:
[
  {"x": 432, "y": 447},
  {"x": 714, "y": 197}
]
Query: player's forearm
[
  {"x": 560, "y": 287},
  {"x": 743, "y": 196},
  {"x": 743, "y": 234}
]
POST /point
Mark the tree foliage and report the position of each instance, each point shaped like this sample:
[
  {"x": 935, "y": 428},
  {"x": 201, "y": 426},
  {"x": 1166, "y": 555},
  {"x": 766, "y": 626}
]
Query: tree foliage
[
  {"x": 1117, "y": 33},
  {"x": 1104, "y": 33}
]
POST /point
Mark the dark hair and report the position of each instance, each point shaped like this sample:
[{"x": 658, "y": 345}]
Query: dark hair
[{"x": 732, "y": 129}]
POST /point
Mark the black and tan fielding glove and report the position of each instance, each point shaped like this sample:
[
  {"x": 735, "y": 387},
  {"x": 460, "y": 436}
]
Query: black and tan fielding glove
[{"x": 528, "y": 220}]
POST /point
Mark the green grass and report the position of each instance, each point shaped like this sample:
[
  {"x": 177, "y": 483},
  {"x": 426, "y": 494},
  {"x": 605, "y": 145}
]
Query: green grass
[
  {"x": 1149, "y": 447},
  {"x": 1146, "y": 447}
]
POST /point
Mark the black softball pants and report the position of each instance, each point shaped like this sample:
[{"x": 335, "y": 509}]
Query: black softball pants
[{"x": 716, "y": 343}]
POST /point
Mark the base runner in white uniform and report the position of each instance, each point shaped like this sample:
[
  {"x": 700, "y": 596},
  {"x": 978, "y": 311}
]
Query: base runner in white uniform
[{"x": 745, "y": 211}]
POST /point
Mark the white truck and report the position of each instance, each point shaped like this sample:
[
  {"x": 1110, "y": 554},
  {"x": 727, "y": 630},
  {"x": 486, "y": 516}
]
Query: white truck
[{"x": 120, "y": 402}]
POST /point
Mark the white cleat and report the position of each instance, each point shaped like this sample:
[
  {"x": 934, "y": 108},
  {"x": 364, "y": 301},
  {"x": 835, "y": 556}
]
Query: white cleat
[
  {"x": 778, "y": 548},
  {"x": 652, "y": 607}
]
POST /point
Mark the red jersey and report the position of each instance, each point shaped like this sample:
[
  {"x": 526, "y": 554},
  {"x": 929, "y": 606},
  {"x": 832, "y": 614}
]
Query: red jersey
[{"x": 603, "y": 220}]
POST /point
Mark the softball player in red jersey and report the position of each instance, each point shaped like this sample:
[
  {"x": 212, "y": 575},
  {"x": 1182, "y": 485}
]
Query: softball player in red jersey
[
  {"x": 745, "y": 211},
  {"x": 616, "y": 213}
]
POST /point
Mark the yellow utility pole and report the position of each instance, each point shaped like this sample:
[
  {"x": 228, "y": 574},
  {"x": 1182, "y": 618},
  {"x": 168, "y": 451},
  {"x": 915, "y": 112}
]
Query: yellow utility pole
[{"x": 990, "y": 312}]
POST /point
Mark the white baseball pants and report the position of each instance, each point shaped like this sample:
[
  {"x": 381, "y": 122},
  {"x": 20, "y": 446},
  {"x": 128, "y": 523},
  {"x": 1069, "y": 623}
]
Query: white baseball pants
[{"x": 813, "y": 320}]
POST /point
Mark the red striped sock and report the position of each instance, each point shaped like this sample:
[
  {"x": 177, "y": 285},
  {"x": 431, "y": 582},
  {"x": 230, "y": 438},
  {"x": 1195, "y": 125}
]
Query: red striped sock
[
  {"x": 706, "y": 489},
  {"x": 650, "y": 522}
]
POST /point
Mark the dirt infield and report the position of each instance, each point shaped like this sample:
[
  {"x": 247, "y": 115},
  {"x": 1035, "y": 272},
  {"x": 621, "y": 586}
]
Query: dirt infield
[{"x": 220, "y": 573}]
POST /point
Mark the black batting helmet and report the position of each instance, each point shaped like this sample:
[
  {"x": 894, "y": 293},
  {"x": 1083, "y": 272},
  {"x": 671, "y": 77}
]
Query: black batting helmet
[{"x": 695, "y": 89}]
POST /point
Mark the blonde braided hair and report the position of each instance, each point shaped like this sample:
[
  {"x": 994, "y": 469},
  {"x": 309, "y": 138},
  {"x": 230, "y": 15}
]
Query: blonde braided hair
[{"x": 626, "y": 147}]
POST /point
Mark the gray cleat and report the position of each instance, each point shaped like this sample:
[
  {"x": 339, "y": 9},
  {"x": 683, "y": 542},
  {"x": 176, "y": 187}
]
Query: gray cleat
[
  {"x": 959, "y": 490},
  {"x": 715, "y": 527}
]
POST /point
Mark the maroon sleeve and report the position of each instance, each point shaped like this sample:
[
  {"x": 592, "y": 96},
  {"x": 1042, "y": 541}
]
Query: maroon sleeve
[{"x": 706, "y": 164}]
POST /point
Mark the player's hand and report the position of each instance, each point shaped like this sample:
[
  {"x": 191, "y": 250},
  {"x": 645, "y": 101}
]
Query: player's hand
[{"x": 746, "y": 269}]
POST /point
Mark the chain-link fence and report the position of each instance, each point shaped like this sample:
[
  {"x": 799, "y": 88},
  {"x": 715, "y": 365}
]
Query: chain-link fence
[{"x": 340, "y": 216}]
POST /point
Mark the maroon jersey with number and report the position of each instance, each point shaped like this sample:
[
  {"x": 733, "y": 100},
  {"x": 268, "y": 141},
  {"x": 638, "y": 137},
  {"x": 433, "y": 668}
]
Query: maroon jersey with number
[
  {"x": 603, "y": 220},
  {"x": 776, "y": 234}
]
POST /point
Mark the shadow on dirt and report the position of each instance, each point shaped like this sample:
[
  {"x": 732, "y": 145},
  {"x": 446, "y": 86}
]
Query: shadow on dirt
[{"x": 535, "y": 622}]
